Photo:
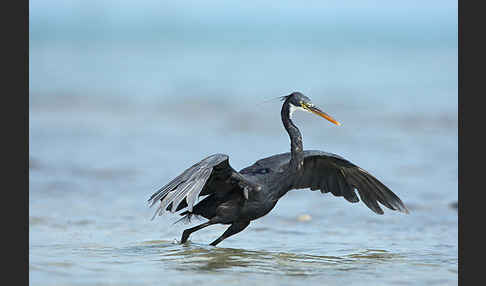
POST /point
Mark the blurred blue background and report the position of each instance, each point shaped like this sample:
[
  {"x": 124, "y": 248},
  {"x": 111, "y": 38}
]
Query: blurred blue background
[
  {"x": 382, "y": 50},
  {"x": 125, "y": 95}
]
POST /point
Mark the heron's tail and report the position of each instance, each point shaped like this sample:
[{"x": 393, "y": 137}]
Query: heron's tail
[{"x": 186, "y": 217}]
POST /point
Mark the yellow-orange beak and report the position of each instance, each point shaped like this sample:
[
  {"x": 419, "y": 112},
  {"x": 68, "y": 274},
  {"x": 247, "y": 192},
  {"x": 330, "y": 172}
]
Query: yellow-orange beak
[{"x": 319, "y": 112}]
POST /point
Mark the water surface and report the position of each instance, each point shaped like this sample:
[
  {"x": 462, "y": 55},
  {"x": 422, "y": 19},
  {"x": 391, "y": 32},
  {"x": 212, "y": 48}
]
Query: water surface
[
  {"x": 124, "y": 98},
  {"x": 92, "y": 170}
]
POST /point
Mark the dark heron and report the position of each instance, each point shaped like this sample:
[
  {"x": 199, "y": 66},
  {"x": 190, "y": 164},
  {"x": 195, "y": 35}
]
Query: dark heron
[{"x": 236, "y": 198}]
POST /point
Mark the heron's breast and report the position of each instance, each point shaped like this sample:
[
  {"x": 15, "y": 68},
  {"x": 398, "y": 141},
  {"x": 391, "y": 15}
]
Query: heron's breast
[{"x": 257, "y": 206}]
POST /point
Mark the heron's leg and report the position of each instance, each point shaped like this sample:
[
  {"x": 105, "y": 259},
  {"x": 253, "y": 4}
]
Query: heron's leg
[
  {"x": 187, "y": 232},
  {"x": 233, "y": 229}
]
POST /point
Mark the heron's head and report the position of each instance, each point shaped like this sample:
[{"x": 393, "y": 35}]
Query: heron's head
[{"x": 298, "y": 101}]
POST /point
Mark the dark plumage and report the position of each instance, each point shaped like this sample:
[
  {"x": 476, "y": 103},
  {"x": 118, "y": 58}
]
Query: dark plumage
[{"x": 236, "y": 198}]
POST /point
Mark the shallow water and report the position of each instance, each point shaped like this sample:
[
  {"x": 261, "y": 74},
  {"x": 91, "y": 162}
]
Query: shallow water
[
  {"x": 93, "y": 167},
  {"x": 124, "y": 99}
]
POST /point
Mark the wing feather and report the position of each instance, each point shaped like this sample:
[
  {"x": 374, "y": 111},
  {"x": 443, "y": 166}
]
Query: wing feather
[
  {"x": 192, "y": 190},
  {"x": 334, "y": 174},
  {"x": 198, "y": 180}
]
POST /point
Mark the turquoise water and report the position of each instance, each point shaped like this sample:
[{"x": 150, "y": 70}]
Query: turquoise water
[{"x": 123, "y": 98}]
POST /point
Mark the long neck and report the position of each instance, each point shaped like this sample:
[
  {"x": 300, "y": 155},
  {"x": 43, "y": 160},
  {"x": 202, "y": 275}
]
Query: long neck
[{"x": 296, "y": 147}]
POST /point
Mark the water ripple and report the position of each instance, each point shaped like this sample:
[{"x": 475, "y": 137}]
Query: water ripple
[{"x": 202, "y": 258}]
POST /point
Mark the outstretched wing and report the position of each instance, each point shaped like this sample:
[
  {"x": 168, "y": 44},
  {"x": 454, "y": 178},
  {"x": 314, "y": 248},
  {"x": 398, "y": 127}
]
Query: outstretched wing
[
  {"x": 210, "y": 175},
  {"x": 331, "y": 173}
]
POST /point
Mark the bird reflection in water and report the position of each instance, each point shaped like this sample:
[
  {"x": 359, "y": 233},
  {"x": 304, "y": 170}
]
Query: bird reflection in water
[{"x": 194, "y": 257}]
